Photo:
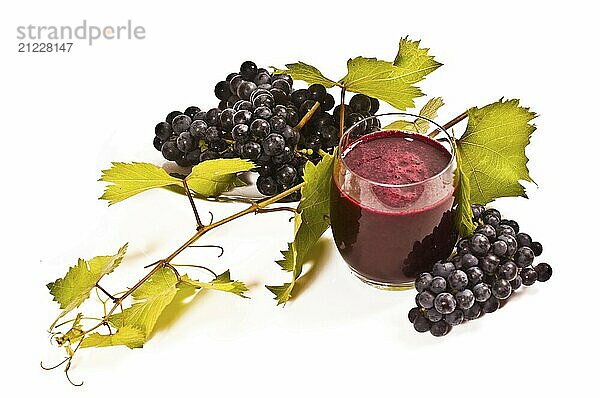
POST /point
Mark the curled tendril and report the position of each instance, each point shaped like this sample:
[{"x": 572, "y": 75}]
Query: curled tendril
[
  {"x": 211, "y": 246},
  {"x": 55, "y": 366}
]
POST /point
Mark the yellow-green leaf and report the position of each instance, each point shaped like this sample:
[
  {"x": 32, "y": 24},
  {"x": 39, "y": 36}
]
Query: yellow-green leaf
[
  {"x": 128, "y": 179},
  {"x": 213, "y": 177},
  {"x": 128, "y": 335},
  {"x": 382, "y": 80},
  {"x": 463, "y": 219},
  {"x": 222, "y": 282},
  {"x": 415, "y": 60},
  {"x": 74, "y": 288},
  {"x": 150, "y": 299},
  {"x": 418, "y": 125},
  {"x": 492, "y": 150},
  {"x": 313, "y": 222},
  {"x": 306, "y": 73}
]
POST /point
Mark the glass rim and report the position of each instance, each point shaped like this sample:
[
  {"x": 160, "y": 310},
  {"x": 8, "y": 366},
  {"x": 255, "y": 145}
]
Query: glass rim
[{"x": 452, "y": 151}]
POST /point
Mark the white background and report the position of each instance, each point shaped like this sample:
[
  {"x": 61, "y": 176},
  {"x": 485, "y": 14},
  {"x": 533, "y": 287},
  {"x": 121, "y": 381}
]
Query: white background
[{"x": 67, "y": 116}]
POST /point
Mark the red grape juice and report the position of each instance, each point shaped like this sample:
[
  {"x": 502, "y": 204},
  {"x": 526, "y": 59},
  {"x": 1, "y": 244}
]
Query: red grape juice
[{"x": 391, "y": 206}]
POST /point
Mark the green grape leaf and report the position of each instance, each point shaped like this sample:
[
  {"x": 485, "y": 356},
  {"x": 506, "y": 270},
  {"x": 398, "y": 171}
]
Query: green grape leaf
[
  {"x": 415, "y": 60},
  {"x": 382, "y": 80},
  {"x": 75, "y": 287},
  {"x": 313, "y": 222},
  {"x": 222, "y": 282},
  {"x": 150, "y": 299},
  {"x": 128, "y": 335},
  {"x": 428, "y": 111},
  {"x": 306, "y": 73},
  {"x": 463, "y": 218},
  {"x": 212, "y": 177},
  {"x": 492, "y": 150},
  {"x": 129, "y": 179}
]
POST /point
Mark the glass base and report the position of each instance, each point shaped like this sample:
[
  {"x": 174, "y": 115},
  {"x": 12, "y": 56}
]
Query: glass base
[{"x": 383, "y": 285}]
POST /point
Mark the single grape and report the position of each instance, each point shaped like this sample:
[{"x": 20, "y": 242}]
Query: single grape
[
  {"x": 454, "y": 318},
  {"x": 421, "y": 324},
  {"x": 511, "y": 244},
  {"x": 423, "y": 281},
  {"x": 248, "y": 70},
  {"x": 511, "y": 223},
  {"x": 433, "y": 315},
  {"x": 212, "y": 134},
  {"x": 245, "y": 89},
  {"x": 462, "y": 247},
  {"x": 316, "y": 92},
  {"x": 278, "y": 123},
  {"x": 516, "y": 283},
  {"x": 425, "y": 299},
  {"x": 465, "y": 299},
  {"x": 507, "y": 270},
  {"x": 212, "y": 117},
  {"x": 328, "y": 102},
  {"x": 262, "y": 77},
  {"x": 260, "y": 128},
  {"x": 240, "y": 132},
  {"x": 285, "y": 77},
  {"x": 163, "y": 130},
  {"x": 157, "y": 143},
  {"x": 499, "y": 248},
  {"x": 242, "y": 117},
  {"x": 537, "y": 248},
  {"x": 491, "y": 212},
  {"x": 284, "y": 157},
  {"x": 279, "y": 96},
  {"x": 528, "y": 275},
  {"x": 293, "y": 118},
  {"x": 170, "y": 151},
  {"x": 439, "y": 329},
  {"x": 186, "y": 143},
  {"x": 191, "y": 111},
  {"x": 501, "y": 289},
  {"x": 458, "y": 280},
  {"x": 490, "y": 305},
  {"x": 266, "y": 185},
  {"x": 360, "y": 103},
  {"x": 544, "y": 272},
  {"x": 438, "y": 285},
  {"x": 523, "y": 239},
  {"x": 443, "y": 269},
  {"x": 181, "y": 123},
  {"x": 226, "y": 119},
  {"x": 475, "y": 275},
  {"x": 198, "y": 128},
  {"x": 251, "y": 150},
  {"x": 445, "y": 303},
  {"x": 172, "y": 115},
  {"x": 264, "y": 100},
  {"x": 504, "y": 229},
  {"x": 487, "y": 230},
  {"x": 329, "y": 136},
  {"x": 481, "y": 291},
  {"x": 273, "y": 144},
  {"x": 489, "y": 263},
  {"x": 479, "y": 244},
  {"x": 290, "y": 136},
  {"x": 413, "y": 313},
  {"x": 524, "y": 257},
  {"x": 282, "y": 85},
  {"x": 286, "y": 175},
  {"x": 299, "y": 96},
  {"x": 473, "y": 313},
  {"x": 222, "y": 90},
  {"x": 477, "y": 211},
  {"x": 374, "y": 105},
  {"x": 263, "y": 112}
]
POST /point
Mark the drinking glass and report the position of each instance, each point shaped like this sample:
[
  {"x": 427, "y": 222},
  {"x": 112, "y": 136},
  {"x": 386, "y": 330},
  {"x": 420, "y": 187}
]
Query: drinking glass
[{"x": 394, "y": 220}]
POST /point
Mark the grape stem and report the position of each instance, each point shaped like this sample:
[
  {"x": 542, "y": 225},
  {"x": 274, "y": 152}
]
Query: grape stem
[
  {"x": 257, "y": 207},
  {"x": 307, "y": 117},
  {"x": 342, "y": 111},
  {"x": 191, "y": 199},
  {"x": 451, "y": 123}
]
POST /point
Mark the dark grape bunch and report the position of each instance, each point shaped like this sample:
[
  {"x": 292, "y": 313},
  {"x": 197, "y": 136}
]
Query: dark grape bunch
[
  {"x": 359, "y": 108},
  {"x": 256, "y": 120},
  {"x": 486, "y": 269}
]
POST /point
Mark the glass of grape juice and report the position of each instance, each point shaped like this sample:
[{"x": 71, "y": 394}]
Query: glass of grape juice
[{"x": 392, "y": 195}]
